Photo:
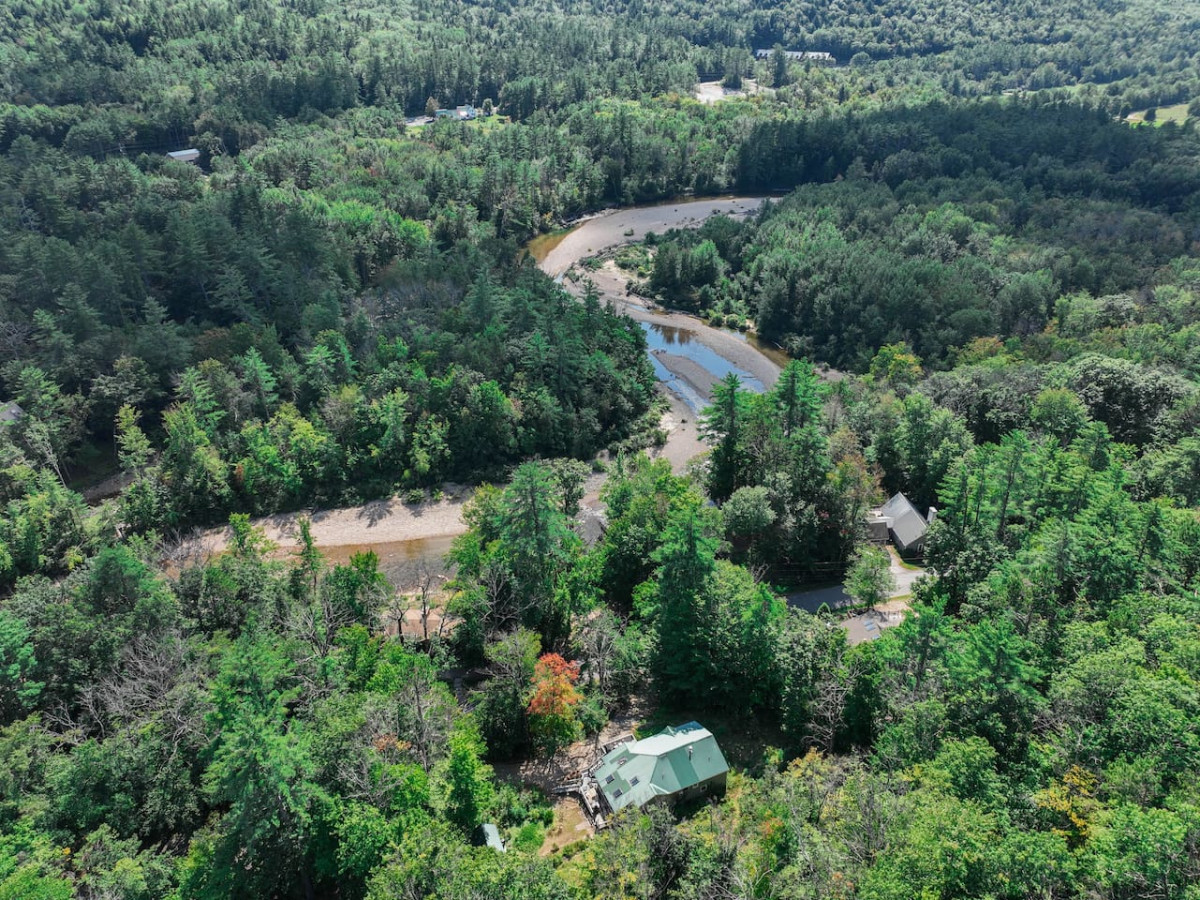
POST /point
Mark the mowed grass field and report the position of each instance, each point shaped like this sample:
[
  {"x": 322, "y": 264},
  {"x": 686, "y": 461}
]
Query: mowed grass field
[{"x": 1177, "y": 114}]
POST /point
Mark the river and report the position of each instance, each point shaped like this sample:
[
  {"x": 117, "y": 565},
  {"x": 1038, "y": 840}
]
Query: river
[
  {"x": 688, "y": 356},
  {"x": 556, "y": 253}
]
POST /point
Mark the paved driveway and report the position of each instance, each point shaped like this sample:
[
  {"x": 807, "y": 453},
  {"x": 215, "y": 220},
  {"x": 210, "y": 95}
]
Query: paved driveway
[
  {"x": 905, "y": 578},
  {"x": 835, "y": 596}
]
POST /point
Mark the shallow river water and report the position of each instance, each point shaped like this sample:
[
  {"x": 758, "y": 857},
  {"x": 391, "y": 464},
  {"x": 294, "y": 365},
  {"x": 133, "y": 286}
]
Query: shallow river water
[
  {"x": 666, "y": 341},
  {"x": 686, "y": 364}
]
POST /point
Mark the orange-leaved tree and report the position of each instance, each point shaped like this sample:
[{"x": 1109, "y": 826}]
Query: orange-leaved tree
[{"x": 552, "y": 720}]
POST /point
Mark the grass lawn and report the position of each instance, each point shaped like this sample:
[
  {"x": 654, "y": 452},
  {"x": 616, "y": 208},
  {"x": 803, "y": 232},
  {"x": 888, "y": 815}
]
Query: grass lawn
[{"x": 1177, "y": 114}]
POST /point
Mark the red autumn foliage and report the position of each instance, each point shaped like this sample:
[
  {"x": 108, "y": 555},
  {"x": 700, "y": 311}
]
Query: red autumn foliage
[{"x": 554, "y": 691}]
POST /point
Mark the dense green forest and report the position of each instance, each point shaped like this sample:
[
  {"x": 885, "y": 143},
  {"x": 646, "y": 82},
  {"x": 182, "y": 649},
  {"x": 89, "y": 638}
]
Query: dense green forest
[{"x": 332, "y": 306}]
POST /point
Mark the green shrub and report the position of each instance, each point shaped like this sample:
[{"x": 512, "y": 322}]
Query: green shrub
[
  {"x": 592, "y": 715},
  {"x": 529, "y": 837}
]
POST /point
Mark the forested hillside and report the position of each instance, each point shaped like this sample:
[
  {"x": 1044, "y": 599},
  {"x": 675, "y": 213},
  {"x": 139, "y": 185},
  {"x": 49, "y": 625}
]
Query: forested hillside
[
  {"x": 332, "y": 305},
  {"x": 950, "y": 224}
]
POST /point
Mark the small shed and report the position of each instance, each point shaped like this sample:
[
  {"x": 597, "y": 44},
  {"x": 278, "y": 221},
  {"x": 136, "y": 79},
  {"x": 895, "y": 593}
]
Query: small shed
[
  {"x": 488, "y": 835},
  {"x": 190, "y": 155},
  {"x": 676, "y": 764}
]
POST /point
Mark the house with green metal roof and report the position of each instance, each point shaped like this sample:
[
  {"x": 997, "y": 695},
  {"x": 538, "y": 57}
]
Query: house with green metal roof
[
  {"x": 678, "y": 763},
  {"x": 488, "y": 835}
]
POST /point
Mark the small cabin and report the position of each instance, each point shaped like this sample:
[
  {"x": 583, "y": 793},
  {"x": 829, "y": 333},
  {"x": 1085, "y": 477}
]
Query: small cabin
[
  {"x": 190, "y": 155},
  {"x": 676, "y": 764}
]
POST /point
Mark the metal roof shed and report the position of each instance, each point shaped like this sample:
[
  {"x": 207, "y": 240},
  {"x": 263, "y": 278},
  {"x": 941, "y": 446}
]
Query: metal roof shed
[
  {"x": 10, "y": 412},
  {"x": 488, "y": 835}
]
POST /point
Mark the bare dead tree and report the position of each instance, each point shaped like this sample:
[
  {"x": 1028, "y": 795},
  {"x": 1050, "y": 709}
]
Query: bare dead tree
[
  {"x": 495, "y": 580},
  {"x": 829, "y": 704},
  {"x": 13, "y": 336},
  {"x": 421, "y": 581},
  {"x": 158, "y": 682},
  {"x": 430, "y": 711},
  {"x": 151, "y": 667},
  {"x": 38, "y": 438},
  {"x": 597, "y": 639},
  {"x": 871, "y": 806},
  {"x": 758, "y": 572},
  {"x": 735, "y": 881},
  {"x": 182, "y": 549},
  {"x": 315, "y": 625},
  {"x": 395, "y": 610},
  {"x": 412, "y": 724}
]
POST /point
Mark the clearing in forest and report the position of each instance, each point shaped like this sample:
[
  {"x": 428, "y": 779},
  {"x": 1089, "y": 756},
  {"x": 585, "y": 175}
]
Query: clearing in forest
[
  {"x": 715, "y": 92},
  {"x": 1163, "y": 114}
]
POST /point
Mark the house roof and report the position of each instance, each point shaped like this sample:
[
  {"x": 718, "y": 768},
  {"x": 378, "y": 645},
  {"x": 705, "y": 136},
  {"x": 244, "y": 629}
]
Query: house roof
[
  {"x": 796, "y": 54},
  {"x": 671, "y": 761},
  {"x": 189, "y": 155},
  {"x": 488, "y": 835},
  {"x": 907, "y": 525}
]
